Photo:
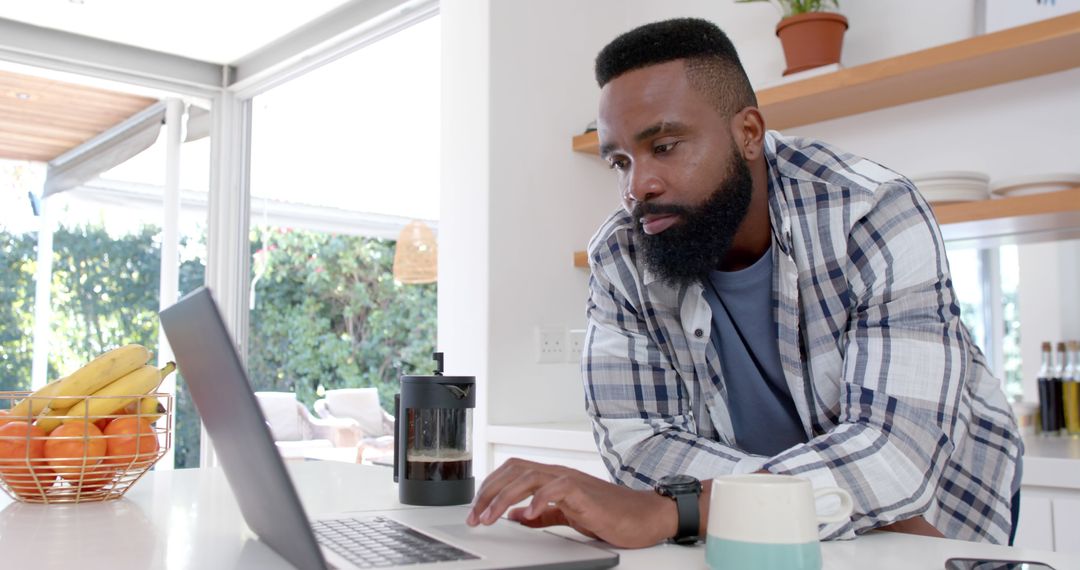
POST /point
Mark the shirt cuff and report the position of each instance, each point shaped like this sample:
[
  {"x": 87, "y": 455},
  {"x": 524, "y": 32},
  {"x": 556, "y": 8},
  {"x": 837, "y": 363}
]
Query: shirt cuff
[{"x": 749, "y": 464}]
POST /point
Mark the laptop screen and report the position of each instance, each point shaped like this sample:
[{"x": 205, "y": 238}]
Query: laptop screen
[{"x": 208, "y": 362}]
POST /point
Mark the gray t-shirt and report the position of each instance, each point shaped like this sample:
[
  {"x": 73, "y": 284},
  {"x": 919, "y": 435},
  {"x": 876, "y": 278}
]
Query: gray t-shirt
[{"x": 744, "y": 335}]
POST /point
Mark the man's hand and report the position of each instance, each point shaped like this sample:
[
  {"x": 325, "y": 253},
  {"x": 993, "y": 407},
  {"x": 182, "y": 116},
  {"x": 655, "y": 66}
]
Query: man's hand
[{"x": 561, "y": 496}]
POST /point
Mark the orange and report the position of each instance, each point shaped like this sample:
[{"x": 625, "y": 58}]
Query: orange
[
  {"x": 74, "y": 446},
  {"x": 93, "y": 479},
  {"x": 5, "y": 417},
  {"x": 131, "y": 441},
  {"x": 22, "y": 447}
]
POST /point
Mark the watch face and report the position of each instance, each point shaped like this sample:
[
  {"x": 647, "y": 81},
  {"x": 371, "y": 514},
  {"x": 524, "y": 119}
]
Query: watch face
[{"x": 680, "y": 484}]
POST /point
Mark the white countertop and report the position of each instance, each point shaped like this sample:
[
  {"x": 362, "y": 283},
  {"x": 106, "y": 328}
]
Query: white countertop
[
  {"x": 1052, "y": 462},
  {"x": 189, "y": 519}
]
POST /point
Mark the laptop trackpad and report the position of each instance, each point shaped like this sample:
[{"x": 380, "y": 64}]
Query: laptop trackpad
[
  {"x": 511, "y": 541},
  {"x": 503, "y": 530}
]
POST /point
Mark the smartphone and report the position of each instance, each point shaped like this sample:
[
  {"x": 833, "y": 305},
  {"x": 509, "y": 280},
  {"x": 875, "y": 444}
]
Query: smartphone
[{"x": 988, "y": 564}]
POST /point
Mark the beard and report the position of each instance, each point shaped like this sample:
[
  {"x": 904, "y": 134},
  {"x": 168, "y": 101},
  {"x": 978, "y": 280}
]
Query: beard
[{"x": 697, "y": 243}]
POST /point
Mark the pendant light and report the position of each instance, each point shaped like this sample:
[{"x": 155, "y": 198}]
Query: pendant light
[{"x": 416, "y": 254}]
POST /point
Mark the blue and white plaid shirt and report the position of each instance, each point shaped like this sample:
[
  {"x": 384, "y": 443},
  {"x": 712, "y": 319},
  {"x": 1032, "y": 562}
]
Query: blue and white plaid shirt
[{"x": 898, "y": 404}]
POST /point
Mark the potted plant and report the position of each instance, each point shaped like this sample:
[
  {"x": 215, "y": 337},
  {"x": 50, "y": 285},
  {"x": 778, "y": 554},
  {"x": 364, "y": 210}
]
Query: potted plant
[{"x": 810, "y": 34}]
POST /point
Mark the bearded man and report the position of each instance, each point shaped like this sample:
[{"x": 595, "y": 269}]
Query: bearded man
[{"x": 764, "y": 303}]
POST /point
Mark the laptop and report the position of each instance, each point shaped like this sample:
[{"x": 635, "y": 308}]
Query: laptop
[{"x": 420, "y": 538}]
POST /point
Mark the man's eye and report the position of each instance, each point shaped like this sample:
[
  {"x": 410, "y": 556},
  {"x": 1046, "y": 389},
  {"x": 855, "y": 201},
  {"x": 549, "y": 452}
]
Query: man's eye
[
  {"x": 619, "y": 163},
  {"x": 666, "y": 147}
]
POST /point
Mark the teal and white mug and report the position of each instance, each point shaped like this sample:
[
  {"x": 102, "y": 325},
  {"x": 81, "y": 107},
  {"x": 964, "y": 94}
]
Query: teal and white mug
[{"x": 762, "y": 521}]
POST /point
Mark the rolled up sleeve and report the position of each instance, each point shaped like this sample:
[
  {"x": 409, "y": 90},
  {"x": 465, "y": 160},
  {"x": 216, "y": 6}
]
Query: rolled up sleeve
[{"x": 903, "y": 371}]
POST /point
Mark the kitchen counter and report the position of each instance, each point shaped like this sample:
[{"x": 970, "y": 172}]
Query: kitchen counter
[{"x": 189, "y": 519}]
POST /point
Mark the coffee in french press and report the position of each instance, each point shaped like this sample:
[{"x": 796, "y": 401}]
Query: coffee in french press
[{"x": 433, "y": 438}]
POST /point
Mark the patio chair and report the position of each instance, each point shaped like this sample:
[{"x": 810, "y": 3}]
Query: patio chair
[
  {"x": 360, "y": 405},
  {"x": 294, "y": 428}
]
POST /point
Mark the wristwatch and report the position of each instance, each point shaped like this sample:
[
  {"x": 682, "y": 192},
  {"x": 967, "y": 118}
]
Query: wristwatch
[{"x": 684, "y": 490}]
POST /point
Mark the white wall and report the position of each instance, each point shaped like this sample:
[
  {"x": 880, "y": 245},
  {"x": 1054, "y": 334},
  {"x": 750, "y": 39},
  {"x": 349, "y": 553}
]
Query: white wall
[
  {"x": 531, "y": 201},
  {"x": 1023, "y": 127},
  {"x": 545, "y": 200},
  {"x": 463, "y": 229}
]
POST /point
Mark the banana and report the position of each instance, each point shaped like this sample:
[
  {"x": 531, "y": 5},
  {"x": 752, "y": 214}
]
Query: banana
[
  {"x": 147, "y": 407},
  {"x": 48, "y": 419},
  {"x": 97, "y": 373},
  {"x": 167, "y": 369},
  {"x": 150, "y": 408},
  {"x": 122, "y": 392}
]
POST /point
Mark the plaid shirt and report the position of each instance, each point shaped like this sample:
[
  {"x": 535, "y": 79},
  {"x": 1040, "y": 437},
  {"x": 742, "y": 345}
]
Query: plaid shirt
[{"x": 898, "y": 404}]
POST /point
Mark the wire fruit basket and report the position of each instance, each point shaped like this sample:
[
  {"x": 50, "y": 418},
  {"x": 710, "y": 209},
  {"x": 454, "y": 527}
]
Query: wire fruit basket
[{"x": 65, "y": 454}]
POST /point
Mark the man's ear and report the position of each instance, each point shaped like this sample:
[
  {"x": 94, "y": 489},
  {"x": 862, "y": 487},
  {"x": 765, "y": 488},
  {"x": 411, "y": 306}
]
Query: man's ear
[{"x": 748, "y": 132}]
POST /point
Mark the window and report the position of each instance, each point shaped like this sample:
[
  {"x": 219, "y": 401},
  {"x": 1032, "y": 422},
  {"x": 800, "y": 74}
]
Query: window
[
  {"x": 342, "y": 159},
  {"x": 104, "y": 272},
  {"x": 18, "y": 261},
  {"x": 986, "y": 283}
]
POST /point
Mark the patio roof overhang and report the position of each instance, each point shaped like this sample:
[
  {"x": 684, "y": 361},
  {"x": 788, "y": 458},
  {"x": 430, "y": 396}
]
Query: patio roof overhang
[{"x": 41, "y": 119}]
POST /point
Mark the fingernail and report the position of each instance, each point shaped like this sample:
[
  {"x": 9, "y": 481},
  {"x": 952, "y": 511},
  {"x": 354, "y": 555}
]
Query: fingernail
[
  {"x": 487, "y": 516},
  {"x": 471, "y": 519},
  {"x": 528, "y": 512}
]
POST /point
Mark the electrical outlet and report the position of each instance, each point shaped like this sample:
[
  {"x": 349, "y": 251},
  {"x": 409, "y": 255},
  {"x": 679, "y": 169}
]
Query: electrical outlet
[
  {"x": 575, "y": 344},
  {"x": 550, "y": 344}
]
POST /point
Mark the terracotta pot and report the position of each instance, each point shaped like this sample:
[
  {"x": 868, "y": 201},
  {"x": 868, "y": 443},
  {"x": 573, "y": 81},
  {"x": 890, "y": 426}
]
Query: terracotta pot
[{"x": 811, "y": 40}]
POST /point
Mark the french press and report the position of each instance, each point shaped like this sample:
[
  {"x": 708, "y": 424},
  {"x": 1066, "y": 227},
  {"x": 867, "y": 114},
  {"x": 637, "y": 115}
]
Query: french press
[{"x": 433, "y": 438}]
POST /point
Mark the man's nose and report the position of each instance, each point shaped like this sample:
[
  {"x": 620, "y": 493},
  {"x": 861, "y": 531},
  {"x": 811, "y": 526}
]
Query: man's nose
[{"x": 643, "y": 186}]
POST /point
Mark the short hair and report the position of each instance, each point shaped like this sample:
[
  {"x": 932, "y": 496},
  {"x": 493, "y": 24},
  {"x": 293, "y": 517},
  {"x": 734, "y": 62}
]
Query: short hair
[{"x": 712, "y": 64}]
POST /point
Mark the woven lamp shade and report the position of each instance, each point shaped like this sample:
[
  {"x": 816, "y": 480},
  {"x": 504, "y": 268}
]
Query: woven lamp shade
[{"x": 416, "y": 255}]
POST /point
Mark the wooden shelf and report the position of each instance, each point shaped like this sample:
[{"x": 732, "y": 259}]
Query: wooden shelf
[
  {"x": 1052, "y": 216},
  {"x": 588, "y": 143},
  {"x": 581, "y": 259},
  {"x": 1017, "y": 53}
]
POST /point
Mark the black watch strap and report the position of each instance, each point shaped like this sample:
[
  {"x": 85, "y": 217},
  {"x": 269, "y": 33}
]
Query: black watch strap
[
  {"x": 685, "y": 491},
  {"x": 689, "y": 518}
]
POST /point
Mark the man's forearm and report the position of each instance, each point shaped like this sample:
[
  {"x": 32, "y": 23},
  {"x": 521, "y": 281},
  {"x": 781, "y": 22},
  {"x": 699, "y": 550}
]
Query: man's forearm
[
  {"x": 642, "y": 456},
  {"x": 915, "y": 525}
]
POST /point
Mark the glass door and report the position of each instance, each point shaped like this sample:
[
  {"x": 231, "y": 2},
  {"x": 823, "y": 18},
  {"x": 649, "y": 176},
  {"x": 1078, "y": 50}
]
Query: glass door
[{"x": 342, "y": 160}]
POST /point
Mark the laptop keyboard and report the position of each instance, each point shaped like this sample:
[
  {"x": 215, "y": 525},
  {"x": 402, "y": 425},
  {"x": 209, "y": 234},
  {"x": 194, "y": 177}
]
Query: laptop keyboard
[{"x": 379, "y": 542}]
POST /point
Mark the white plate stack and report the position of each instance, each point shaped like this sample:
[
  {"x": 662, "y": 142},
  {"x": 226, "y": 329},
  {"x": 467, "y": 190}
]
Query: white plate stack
[
  {"x": 953, "y": 186},
  {"x": 1036, "y": 184}
]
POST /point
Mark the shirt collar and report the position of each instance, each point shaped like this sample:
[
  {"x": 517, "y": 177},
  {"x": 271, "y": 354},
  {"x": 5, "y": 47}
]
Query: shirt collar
[{"x": 779, "y": 216}]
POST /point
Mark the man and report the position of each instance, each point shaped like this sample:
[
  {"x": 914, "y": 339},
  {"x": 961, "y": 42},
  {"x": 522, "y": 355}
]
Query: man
[{"x": 763, "y": 303}]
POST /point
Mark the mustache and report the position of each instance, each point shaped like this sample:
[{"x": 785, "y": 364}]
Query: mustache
[{"x": 646, "y": 208}]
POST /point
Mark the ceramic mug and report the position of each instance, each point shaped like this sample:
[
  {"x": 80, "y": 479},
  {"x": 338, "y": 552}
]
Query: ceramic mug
[{"x": 762, "y": 521}]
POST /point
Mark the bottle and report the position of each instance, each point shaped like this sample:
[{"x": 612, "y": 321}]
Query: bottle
[
  {"x": 1047, "y": 400},
  {"x": 1071, "y": 389},
  {"x": 1060, "y": 364}
]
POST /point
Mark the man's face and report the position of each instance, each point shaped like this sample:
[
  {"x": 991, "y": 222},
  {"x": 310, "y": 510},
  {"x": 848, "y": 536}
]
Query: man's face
[{"x": 679, "y": 173}]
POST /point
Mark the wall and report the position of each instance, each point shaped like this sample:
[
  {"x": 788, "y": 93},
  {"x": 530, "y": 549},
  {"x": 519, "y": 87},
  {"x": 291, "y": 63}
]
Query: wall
[
  {"x": 463, "y": 229},
  {"x": 542, "y": 201}
]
